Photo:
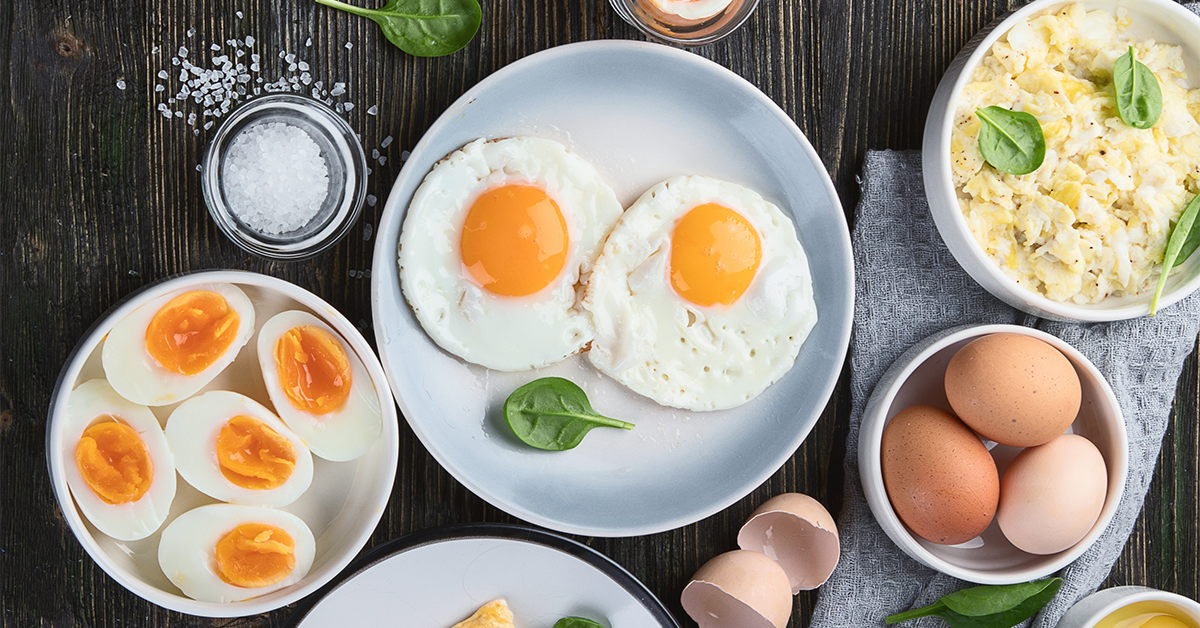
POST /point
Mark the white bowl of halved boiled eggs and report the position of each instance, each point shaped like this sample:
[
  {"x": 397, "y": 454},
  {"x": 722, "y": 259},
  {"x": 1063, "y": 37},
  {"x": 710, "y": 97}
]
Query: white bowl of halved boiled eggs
[{"x": 222, "y": 443}]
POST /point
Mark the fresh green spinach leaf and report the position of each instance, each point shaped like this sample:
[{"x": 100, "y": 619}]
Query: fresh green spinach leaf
[
  {"x": 1139, "y": 97},
  {"x": 576, "y": 622},
  {"x": 1183, "y": 236},
  {"x": 423, "y": 28},
  {"x": 999, "y": 606},
  {"x": 553, "y": 413},
  {"x": 1011, "y": 141}
]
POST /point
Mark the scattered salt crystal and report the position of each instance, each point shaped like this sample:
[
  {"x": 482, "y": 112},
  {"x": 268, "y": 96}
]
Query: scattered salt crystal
[
  {"x": 178, "y": 114},
  {"x": 387, "y": 141},
  {"x": 306, "y": 78},
  {"x": 166, "y": 113},
  {"x": 182, "y": 52},
  {"x": 349, "y": 45},
  {"x": 382, "y": 160},
  {"x": 249, "y": 40},
  {"x": 404, "y": 155},
  {"x": 174, "y": 60},
  {"x": 154, "y": 50},
  {"x": 371, "y": 200},
  {"x": 373, "y": 110},
  {"x": 191, "y": 31},
  {"x": 308, "y": 43},
  {"x": 239, "y": 15},
  {"x": 368, "y": 230},
  {"x": 159, "y": 88},
  {"x": 369, "y": 171},
  {"x": 208, "y": 125},
  {"x": 215, "y": 47},
  {"x": 291, "y": 67},
  {"x": 303, "y": 66},
  {"x": 191, "y": 119},
  {"x": 290, "y": 58},
  {"x": 197, "y": 167},
  {"x": 275, "y": 177},
  {"x": 254, "y": 67},
  {"x": 121, "y": 84},
  {"x": 240, "y": 53},
  {"x": 348, "y": 106},
  {"x": 162, "y": 74},
  {"x": 339, "y": 108},
  {"x": 375, "y": 154},
  {"x": 183, "y": 75},
  {"x": 195, "y": 131}
]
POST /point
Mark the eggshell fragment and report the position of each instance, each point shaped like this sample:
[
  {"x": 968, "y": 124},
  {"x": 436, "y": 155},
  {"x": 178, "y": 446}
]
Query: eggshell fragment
[
  {"x": 1052, "y": 495},
  {"x": 1014, "y": 389},
  {"x": 797, "y": 532},
  {"x": 939, "y": 477},
  {"x": 739, "y": 589}
]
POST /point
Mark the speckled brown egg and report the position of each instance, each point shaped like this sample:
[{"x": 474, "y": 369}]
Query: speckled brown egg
[
  {"x": 1014, "y": 389},
  {"x": 941, "y": 480}
]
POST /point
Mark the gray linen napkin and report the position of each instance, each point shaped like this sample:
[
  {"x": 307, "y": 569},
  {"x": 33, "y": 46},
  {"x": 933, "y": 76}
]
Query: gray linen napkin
[{"x": 908, "y": 287}]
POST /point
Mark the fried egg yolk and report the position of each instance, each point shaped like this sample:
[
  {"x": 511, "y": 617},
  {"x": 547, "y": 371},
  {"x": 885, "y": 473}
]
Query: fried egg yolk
[
  {"x": 255, "y": 555},
  {"x": 313, "y": 369},
  {"x": 114, "y": 461},
  {"x": 514, "y": 241},
  {"x": 714, "y": 254},
  {"x": 254, "y": 456},
  {"x": 192, "y": 331}
]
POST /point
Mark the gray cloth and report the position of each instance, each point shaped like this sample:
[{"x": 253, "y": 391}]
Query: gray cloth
[{"x": 908, "y": 287}]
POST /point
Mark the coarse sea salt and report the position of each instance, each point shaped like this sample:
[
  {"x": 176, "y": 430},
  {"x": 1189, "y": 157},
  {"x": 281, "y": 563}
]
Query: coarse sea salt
[{"x": 275, "y": 178}]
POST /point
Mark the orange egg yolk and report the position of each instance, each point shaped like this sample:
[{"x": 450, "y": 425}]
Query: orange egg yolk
[
  {"x": 254, "y": 456},
  {"x": 114, "y": 461},
  {"x": 314, "y": 369},
  {"x": 714, "y": 255},
  {"x": 192, "y": 331},
  {"x": 255, "y": 555},
  {"x": 514, "y": 241}
]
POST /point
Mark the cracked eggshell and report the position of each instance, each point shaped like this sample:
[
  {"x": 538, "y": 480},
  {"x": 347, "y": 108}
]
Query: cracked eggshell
[
  {"x": 797, "y": 532},
  {"x": 739, "y": 589}
]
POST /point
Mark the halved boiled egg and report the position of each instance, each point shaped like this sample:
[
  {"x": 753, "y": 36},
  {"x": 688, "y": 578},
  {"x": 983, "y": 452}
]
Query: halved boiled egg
[
  {"x": 166, "y": 350},
  {"x": 701, "y": 297},
  {"x": 229, "y": 447},
  {"x": 319, "y": 386},
  {"x": 497, "y": 243},
  {"x": 120, "y": 470},
  {"x": 226, "y": 553}
]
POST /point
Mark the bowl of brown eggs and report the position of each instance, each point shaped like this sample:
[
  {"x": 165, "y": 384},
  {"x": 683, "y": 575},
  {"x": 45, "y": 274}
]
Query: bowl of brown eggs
[{"x": 994, "y": 453}]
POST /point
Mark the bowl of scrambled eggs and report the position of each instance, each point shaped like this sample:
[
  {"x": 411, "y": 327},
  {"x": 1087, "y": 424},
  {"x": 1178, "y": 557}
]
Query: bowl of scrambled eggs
[{"x": 1081, "y": 229}]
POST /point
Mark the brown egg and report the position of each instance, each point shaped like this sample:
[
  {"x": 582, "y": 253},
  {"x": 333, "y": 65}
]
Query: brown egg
[
  {"x": 941, "y": 480},
  {"x": 1052, "y": 495},
  {"x": 1014, "y": 389}
]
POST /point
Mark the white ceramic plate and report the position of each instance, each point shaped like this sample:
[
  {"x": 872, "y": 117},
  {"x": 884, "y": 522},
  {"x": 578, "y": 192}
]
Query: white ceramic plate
[
  {"x": 640, "y": 113},
  {"x": 437, "y": 578},
  {"x": 341, "y": 507}
]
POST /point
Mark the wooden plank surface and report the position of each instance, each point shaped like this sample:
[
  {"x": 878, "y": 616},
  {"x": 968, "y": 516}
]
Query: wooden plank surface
[{"x": 102, "y": 197}]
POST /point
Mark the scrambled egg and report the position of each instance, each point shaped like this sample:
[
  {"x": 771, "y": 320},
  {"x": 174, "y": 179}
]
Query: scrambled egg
[
  {"x": 1093, "y": 221},
  {"x": 494, "y": 614}
]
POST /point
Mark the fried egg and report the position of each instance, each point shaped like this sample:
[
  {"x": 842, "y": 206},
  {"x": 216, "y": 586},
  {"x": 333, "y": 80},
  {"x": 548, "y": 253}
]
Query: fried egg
[
  {"x": 319, "y": 386},
  {"x": 166, "y": 350},
  {"x": 702, "y": 295},
  {"x": 497, "y": 242},
  {"x": 225, "y": 553},
  {"x": 229, "y": 447},
  {"x": 120, "y": 470}
]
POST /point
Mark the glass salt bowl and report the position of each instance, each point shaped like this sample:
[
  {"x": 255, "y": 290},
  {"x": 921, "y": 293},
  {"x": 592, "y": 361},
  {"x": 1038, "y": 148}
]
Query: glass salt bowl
[
  {"x": 664, "y": 26},
  {"x": 344, "y": 159}
]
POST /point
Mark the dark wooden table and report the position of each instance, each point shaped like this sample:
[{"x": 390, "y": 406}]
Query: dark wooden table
[{"x": 101, "y": 196}]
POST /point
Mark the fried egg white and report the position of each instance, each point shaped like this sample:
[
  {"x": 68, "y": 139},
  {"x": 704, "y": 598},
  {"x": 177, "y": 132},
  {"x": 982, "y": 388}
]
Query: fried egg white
[
  {"x": 118, "y": 466},
  {"x": 319, "y": 386},
  {"x": 229, "y": 447},
  {"x": 497, "y": 242},
  {"x": 225, "y": 553},
  {"x": 166, "y": 350},
  {"x": 702, "y": 295}
]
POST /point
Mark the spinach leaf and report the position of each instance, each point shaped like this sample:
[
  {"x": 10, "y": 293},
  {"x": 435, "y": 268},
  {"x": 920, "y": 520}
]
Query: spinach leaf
[
  {"x": 576, "y": 622},
  {"x": 1011, "y": 141},
  {"x": 1139, "y": 97},
  {"x": 1183, "y": 236},
  {"x": 423, "y": 28},
  {"x": 1000, "y": 606},
  {"x": 553, "y": 413}
]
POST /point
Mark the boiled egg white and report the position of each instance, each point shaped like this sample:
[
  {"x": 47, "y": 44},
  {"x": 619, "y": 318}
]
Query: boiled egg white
[
  {"x": 496, "y": 245},
  {"x": 692, "y": 9},
  {"x": 118, "y": 466},
  {"x": 229, "y": 447},
  {"x": 166, "y": 350},
  {"x": 702, "y": 295},
  {"x": 319, "y": 386},
  {"x": 226, "y": 553}
]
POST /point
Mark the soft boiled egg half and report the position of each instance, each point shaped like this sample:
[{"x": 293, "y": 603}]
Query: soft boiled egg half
[
  {"x": 702, "y": 295},
  {"x": 171, "y": 347},
  {"x": 229, "y": 447},
  {"x": 225, "y": 553},
  {"x": 319, "y": 386},
  {"x": 122, "y": 474},
  {"x": 496, "y": 244}
]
